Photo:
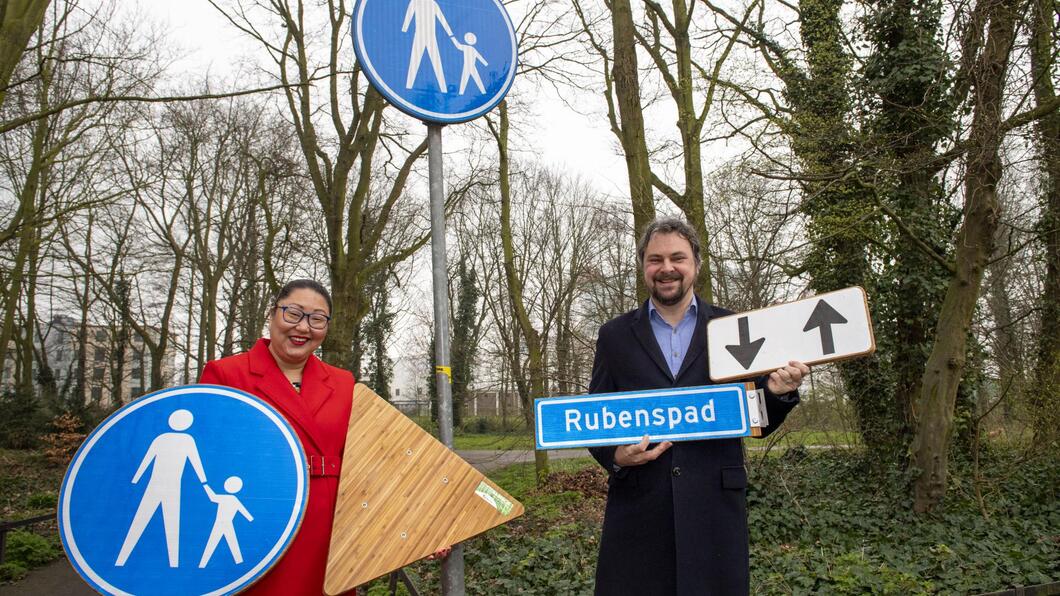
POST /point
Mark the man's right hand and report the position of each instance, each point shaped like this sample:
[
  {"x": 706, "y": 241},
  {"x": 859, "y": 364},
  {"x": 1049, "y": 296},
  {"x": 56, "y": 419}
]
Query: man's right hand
[{"x": 638, "y": 453}]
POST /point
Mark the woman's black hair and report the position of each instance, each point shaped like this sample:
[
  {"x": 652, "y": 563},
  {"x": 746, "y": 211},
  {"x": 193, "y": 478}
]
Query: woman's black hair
[{"x": 302, "y": 284}]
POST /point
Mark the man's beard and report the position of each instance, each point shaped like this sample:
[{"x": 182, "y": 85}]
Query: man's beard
[{"x": 676, "y": 297}]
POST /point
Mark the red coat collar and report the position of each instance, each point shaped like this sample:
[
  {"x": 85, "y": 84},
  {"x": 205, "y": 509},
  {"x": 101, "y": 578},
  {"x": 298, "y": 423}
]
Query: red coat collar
[{"x": 299, "y": 408}]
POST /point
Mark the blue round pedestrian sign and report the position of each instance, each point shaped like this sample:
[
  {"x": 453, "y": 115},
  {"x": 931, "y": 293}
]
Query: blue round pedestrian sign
[
  {"x": 191, "y": 490},
  {"x": 442, "y": 61}
]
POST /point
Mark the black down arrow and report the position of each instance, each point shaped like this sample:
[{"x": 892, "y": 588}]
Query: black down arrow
[
  {"x": 745, "y": 351},
  {"x": 824, "y": 316}
]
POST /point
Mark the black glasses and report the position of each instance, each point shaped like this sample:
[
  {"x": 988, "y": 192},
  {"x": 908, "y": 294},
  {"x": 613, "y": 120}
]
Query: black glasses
[{"x": 294, "y": 316}]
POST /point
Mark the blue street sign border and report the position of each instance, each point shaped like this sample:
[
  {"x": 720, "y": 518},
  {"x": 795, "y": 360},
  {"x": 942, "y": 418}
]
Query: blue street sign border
[
  {"x": 412, "y": 109},
  {"x": 744, "y": 431},
  {"x": 73, "y": 554}
]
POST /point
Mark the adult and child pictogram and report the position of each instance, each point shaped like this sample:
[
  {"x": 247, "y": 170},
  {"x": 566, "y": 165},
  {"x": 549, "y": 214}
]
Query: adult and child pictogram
[
  {"x": 423, "y": 15},
  {"x": 167, "y": 457}
]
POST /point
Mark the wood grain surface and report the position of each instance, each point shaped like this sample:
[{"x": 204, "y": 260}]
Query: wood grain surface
[{"x": 402, "y": 496}]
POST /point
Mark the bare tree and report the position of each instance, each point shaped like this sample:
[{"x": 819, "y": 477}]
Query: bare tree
[
  {"x": 622, "y": 93},
  {"x": 48, "y": 165},
  {"x": 754, "y": 240},
  {"x": 340, "y": 126}
]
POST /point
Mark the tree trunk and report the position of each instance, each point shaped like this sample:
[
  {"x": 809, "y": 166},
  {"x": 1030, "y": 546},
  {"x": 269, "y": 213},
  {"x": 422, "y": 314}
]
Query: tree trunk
[
  {"x": 19, "y": 19},
  {"x": 29, "y": 321},
  {"x": 975, "y": 241},
  {"x": 1045, "y": 400},
  {"x": 76, "y": 401},
  {"x": 1006, "y": 344},
  {"x": 690, "y": 126},
  {"x": 631, "y": 129},
  {"x": 535, "y": 369},
  {"x": 26, "y": 214},
  {"x": 119, "y": 341}
]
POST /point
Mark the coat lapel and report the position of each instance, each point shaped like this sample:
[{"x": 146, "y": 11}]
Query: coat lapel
[
  {"x": 699, "y": 337},
  {"x": 316, "y": 385},
  {"x": 642, "y": 330},
  {"x": 273, "y": 384}
]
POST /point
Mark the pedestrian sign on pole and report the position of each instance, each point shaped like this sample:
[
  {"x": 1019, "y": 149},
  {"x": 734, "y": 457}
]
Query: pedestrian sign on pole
[
  {"x": 191, "y": 490},
  {"x": 442, "y": 61}
]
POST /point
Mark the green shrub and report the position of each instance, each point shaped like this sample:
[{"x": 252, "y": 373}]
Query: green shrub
[
  {"x": 10, "y": 572},
  {"x": 22, "y": 420},
  {"x": 30, "y": 550},
  {"x": 828, "y": 523},
  {"x": 42, "y": 501}
]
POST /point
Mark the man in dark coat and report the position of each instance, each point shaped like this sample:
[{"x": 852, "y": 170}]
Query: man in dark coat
[{"x": 676, "y": 518}]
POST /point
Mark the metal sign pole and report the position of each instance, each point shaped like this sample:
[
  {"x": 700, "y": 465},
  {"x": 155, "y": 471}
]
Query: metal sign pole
[{"x": 453, "y": 565}]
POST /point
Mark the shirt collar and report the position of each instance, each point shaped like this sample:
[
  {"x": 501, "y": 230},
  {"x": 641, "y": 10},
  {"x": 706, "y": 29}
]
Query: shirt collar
[{"x": 693, "y": 309}]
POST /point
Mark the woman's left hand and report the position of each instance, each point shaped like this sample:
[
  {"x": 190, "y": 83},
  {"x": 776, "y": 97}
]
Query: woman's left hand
[{"x": 440, "y": 554}]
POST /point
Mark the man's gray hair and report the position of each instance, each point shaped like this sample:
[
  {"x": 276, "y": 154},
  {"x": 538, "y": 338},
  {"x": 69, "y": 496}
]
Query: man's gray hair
[{"x": 668, "y": 225}]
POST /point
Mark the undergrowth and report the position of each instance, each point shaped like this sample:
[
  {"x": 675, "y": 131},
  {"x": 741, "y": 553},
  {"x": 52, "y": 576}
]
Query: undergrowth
[{"x": 820, "y": 523}]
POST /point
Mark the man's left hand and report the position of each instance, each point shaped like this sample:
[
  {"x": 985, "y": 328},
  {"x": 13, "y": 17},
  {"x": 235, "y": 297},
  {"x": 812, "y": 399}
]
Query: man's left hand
[{"x": 787, "y": 379}]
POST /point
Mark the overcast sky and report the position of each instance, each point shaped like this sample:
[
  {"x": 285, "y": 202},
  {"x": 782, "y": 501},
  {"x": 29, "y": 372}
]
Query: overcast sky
[{"x": 576, "y": 143}]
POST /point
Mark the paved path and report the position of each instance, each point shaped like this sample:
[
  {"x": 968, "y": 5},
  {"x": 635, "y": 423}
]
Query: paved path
[
  {"x": 60, "y": 578},
  {"x": 57, "y": 577},
  {"x": 487, "y": 461}
]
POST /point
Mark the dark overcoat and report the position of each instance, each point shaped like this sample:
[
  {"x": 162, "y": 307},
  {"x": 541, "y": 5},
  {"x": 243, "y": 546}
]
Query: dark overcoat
[{"x": 676, "y": 525}]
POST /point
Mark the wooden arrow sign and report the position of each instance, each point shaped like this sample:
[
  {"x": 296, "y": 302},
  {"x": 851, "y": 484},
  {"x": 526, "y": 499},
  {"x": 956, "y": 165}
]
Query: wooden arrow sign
[
  {"x": 824, "y": 328},
  {"x": 402, "y": 496}
]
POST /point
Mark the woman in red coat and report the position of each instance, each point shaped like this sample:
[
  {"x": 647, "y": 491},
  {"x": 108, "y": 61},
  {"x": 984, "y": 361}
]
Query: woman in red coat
[{"x": 315, "y": 398}]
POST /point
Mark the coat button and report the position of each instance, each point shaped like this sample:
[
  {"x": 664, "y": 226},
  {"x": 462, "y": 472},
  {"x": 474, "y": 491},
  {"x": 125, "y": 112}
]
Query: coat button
[{"x": 676, "y": 471}]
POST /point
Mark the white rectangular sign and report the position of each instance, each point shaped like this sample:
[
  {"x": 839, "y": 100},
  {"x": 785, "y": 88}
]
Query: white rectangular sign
[{"x": 824, "y": 328}]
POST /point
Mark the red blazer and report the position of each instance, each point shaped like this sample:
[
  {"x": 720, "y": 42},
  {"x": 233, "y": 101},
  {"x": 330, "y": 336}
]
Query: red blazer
[{"x": 320, "y": 415}]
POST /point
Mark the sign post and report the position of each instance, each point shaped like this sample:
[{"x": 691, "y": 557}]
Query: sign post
[
  {"x": 444, "y": 62},
  {"x": 453, "y": 565}
]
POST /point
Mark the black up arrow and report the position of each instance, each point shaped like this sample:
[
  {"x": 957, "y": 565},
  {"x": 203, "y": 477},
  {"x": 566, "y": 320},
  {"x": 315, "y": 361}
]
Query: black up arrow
[
  {"x": 824, "y": 316},
  {"x": 745, "y": 351}
]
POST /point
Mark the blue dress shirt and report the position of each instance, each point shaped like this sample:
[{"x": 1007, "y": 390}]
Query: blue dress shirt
[{"x": 674, "y": 341}]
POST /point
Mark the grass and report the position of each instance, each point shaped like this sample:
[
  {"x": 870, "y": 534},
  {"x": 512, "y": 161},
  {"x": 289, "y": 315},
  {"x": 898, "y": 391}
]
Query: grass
[
  {"x": 818, "y": 438},
  {"x": 525, "y": 440},
  {"x": 493, "y": 442},
  {"x": 520, "y": 481}
]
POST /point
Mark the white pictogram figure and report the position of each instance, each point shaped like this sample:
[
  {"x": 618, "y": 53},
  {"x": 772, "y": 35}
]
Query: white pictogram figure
[
  {"x": 471, "y": 55},
  {"x": 169, "y": 453},
  {"x": 227, "y": 508},
  {"x": 426, "y": 13}
]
